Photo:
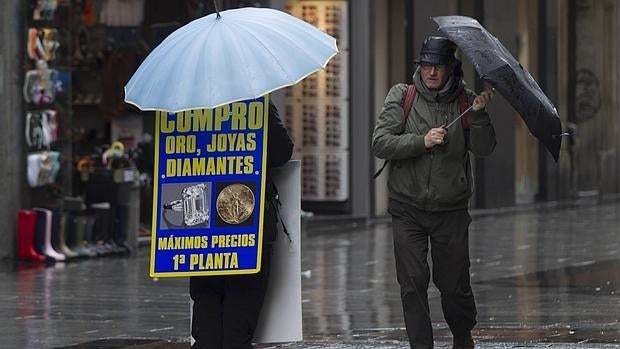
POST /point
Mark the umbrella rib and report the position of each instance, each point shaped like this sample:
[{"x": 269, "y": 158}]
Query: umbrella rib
[
  {"x": 162, "y": 48},
  {"x": 302, "y": 26},
  {"x": 206, "y": 41},
  {"x": 293, "y": 43},
  {"x": 261, "y": 43},
  {"x": 245, "y": 66}
]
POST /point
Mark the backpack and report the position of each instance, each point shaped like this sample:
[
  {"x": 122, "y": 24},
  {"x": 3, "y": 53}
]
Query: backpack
[{"x": 408, "y": 104}]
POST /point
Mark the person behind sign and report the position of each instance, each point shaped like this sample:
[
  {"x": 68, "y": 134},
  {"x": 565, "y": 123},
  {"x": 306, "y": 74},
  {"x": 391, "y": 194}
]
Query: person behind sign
[
  {"x": 226, "y": 308},
  {"x": 430, "y": 184}
]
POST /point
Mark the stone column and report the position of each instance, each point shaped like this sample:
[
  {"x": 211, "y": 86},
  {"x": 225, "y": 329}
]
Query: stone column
[
  {"x": 361, "y": 108},
  {"x": 12, "y": 153}
]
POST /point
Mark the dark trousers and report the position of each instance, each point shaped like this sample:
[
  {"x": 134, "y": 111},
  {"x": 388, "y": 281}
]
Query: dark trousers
[
  {"x": 448, "y": 235},
  {"x": 226, "y": 308}
]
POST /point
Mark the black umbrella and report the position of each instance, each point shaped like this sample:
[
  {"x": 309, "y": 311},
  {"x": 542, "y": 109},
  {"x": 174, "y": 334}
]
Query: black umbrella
[{"x": 502, "y": 71}]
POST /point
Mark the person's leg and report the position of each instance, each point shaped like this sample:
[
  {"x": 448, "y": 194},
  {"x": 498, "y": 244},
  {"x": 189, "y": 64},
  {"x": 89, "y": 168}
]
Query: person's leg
[
  {"x": 242, "y": 304},
  {"x": 450, "y": 255},
  {"x": 207, "y": 294},
  {"x": 412, "y": 272}
]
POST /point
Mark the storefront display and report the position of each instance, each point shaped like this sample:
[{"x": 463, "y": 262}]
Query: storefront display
[
  {"x": 42, "y": 85},
  {"x": 89, "y": 155},
  {"x": 317, "y": 109}
]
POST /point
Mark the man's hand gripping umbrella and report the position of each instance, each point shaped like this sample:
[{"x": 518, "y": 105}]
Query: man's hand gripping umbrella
[{"x": 479, "y": 102}]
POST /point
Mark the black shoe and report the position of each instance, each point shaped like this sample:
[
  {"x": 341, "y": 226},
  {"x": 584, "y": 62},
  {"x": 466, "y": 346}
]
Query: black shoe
[{"x": 463, "y": 342}]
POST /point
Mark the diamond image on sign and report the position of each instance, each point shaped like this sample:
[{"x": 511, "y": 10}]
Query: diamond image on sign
[
  {"x": 185, "y": 205},
  {"x": 195, "y": 209}
]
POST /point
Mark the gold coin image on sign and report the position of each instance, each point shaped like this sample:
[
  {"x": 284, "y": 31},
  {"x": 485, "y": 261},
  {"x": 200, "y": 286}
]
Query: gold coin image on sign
[{"x": 235, "y": 203}]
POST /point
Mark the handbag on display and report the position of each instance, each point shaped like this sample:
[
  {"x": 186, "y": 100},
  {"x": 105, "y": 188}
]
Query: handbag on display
[
  {"x": 41, "y": 128},
  {"x": 42, "y": 168},
  {"x": 35, "y": 44},
  {"x": 44, "y": 10},
  {"x": 42, "y": 43},
  {"x": 52, "y": 124},
  {"x": 40, "y": 84}
]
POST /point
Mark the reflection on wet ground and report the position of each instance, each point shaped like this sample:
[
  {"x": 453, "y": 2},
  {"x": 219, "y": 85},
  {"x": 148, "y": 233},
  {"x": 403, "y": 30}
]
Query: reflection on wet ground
[
  {"x": 590, "y": 277},
  {"x": 116, "y": 344},
  {"x": 543, "y": 278}
]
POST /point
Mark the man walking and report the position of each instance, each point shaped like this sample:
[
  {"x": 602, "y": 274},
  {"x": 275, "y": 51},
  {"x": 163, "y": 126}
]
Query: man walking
[{"x": 430, "y": 184}]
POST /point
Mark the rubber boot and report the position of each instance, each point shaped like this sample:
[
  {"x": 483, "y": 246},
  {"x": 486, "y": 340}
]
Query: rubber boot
[
  {"x": 95, "y": 242},
  {"x": 26, "y": 223},
  {"x": 104, "y": 225},
  {"x": 79, "y": 243},
  {"x": 70, "y": 231},
  {"x": 62, "y": 237},
  {"x": 44, "y": 217},
  {"x": 122, "y": 227},
  {"x": 56, "y": 234},
  {"x": 39, "y": 234}
]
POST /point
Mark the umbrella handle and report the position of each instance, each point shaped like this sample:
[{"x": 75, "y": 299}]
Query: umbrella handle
[
  {"x": 460, "y": 116},
  {"x": 463, "y": 113},
  {"x": 563, "y": 134}
]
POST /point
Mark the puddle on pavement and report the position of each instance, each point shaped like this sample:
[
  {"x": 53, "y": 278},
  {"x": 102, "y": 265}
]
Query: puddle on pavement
[
  {"x": 601, "y": 277},
  {"x": 127, "y": 343}
]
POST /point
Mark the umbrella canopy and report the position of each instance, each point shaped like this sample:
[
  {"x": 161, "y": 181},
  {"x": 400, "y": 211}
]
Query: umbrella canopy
[
  {"x": 501, "y": 70},
  {"x": 230, "y": 56}
]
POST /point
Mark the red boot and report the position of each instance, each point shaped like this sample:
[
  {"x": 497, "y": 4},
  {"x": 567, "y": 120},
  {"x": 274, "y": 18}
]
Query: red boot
[{"x": 26, "y": 221}]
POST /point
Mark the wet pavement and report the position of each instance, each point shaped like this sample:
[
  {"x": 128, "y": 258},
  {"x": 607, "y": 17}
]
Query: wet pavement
[{"x": 544, "y": 278}]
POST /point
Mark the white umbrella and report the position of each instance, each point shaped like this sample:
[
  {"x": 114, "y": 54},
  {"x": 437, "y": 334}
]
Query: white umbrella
[{"x": 214, "y": 60}]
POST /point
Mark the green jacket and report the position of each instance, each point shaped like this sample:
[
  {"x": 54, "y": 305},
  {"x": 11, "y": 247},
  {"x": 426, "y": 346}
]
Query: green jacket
[{"x": 439, "y": 178}]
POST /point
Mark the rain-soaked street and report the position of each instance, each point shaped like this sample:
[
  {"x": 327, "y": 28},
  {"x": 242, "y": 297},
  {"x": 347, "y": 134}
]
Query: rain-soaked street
[{"x": 544, "y": 277}]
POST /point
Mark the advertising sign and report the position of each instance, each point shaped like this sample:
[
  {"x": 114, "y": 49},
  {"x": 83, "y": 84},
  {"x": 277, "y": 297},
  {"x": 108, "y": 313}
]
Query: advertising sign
[{"x": 208, "y": 193}]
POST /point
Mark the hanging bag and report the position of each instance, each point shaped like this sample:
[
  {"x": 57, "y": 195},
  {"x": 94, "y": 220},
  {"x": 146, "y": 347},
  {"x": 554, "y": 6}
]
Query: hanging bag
[{"x": 42, "y": 168}]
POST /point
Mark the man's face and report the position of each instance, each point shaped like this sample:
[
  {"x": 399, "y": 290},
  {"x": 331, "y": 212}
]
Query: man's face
[{"x": 434, "y": 76}]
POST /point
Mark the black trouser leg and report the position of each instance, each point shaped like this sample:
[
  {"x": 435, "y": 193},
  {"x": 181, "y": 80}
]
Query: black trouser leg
[
  {"x": 207, "y": 292},
  {"x": 226, "y": 308},
  {"x": 450, "y": 254},
  {"x": 243, "y": 302},
  {"x": 412, "y": 271}
]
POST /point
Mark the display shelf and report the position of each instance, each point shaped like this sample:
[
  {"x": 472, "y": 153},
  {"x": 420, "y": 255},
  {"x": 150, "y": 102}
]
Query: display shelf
[{"x": 317, "y": 108}]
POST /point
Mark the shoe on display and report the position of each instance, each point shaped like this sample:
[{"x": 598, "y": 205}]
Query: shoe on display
[
  {"x": 94, "y": 238},
  {"x": 44, "y": 222},
  {"x": 26, "y": 223},
  {"x": 58, "y": 234},
  {"x": 121, "y": 227},
  {"x": 78, "y": 244}
]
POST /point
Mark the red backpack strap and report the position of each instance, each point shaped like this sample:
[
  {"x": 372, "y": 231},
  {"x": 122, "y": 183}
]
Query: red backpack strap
[
  {"x": 463, "y": 105},
  {"x": 408, "y": 103}
]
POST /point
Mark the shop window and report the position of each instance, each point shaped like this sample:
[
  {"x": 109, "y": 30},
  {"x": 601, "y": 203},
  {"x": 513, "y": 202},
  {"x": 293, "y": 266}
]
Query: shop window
[{"x": 317, "y": 109}]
